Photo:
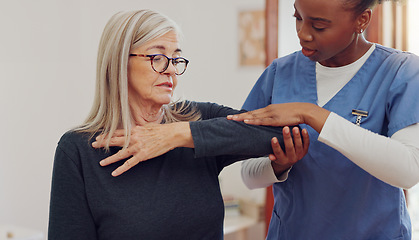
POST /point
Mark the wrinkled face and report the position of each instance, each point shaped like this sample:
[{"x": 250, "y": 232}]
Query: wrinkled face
[
  {"x": 326, "y": 31},
  {"x": 145, "y": 86}
]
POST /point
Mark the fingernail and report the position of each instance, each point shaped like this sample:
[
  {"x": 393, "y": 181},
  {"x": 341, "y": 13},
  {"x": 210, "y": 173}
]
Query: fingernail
[
  {"x": 102, "y": 163},
  {"x": 94, "y": 144},
  {"x": 286, "y": 130},
  {"x": 114, "y": 173},
  {"x": 229, "y": 117}
]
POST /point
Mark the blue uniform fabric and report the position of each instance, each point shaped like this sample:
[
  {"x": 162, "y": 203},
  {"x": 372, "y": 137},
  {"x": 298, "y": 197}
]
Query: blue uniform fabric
[{"x": 326, "y": 196}]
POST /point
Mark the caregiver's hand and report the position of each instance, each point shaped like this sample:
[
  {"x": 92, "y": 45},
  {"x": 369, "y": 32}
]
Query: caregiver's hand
[
  {"x": 296, "y": 147},
  {"x": 285, "y": 114},
  {"x": 146, "y": 142}
]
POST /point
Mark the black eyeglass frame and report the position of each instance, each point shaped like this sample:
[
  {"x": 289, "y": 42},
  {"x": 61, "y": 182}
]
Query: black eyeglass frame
[{"x": 173, "y": 60}]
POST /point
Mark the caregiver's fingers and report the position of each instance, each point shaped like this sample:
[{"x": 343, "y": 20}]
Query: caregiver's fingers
[
  {"x": 277, "y": 150},
  {"x": 298, "y": 142},
  {"x": 306, "y": 143},
  {"x": 255, "y": 114}
]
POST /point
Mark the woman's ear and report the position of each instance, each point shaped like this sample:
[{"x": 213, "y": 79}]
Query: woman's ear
[{"x": 363, "y": 20}]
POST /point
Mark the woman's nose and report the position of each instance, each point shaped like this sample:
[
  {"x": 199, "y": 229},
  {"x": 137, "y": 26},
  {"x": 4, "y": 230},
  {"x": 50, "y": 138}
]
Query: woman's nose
[
  {"x": 304, "y": 34},
  {"x": 171, "y": 69}
]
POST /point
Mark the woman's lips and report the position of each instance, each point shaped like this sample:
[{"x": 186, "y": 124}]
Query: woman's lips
[
  {"x": 166, "y": 85},
  {"x": 308, "y": 52}
]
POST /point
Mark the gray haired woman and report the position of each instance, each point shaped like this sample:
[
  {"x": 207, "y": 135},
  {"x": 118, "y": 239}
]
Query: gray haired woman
[{"x": 174, "y": 196}]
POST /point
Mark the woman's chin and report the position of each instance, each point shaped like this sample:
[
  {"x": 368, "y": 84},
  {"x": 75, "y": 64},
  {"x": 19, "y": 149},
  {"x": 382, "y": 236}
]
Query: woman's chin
[{"x": 164, "y": 100}]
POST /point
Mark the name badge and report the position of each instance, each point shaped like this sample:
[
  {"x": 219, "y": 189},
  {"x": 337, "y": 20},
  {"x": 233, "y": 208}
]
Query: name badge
[{"x": 359, "y": 114}]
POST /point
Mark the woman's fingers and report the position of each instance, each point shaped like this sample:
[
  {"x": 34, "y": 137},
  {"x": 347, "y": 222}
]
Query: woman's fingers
[
  {"x": 298, "y": 142},
  {"x": 134, "y": 159},
  {"x": 296, "y": 146},
  {"x": 261, "y": 121},
  {"x": 301, "y": 142},
  {"x": 306, "y": 143},
  {"x": 126, "y": 166},
  {"x": 145, "y": 143},
  {"x": 277, "y": 150},
  {"x": 117, "y": 133},
  {"x": 117, "y": 139},
  {"x": 113, "y": 142},
  {"x": 121, "y": 154},
  {"x": 249, "y": 117},
  {"x": 271, "y": 115},
  {"x": 282, "y": 160},
  {"x": 289, "y": 144},
  {"x": 306, "y": 139}
]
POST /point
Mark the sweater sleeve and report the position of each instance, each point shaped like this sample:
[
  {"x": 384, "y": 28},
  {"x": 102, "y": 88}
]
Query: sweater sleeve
[
  {"x": 220, "y": 136},
  {"x": 70, "y": 216},
  {"x": 215, "y": 135}
]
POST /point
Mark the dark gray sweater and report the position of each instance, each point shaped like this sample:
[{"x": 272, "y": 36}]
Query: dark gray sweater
[{"x": 174, "y": 196}]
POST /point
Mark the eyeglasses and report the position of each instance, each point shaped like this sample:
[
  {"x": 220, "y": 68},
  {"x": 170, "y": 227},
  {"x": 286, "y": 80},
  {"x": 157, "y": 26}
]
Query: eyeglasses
[{"x": 160, "y": 62}]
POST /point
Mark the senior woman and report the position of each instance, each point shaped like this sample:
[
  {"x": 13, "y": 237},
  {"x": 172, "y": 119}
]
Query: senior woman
[{"x": 174, "y": 196}]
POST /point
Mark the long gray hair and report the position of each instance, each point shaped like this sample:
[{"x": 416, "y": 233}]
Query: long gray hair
[{"x": 123, "y": 32}]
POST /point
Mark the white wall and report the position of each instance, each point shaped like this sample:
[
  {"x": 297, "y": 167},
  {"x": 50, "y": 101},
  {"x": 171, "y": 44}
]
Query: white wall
[
  {"x": 47, "y": 67},
  {"x": 288, "y": 41},
  {"x": 413, "y": 26}
]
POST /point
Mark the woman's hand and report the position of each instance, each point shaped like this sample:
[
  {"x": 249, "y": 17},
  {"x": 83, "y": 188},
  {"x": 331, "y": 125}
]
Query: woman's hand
[
  {"x": 296, "y": 147},
  {"x": 146, "y": 142},
  {"x": 285, "y": 114}
]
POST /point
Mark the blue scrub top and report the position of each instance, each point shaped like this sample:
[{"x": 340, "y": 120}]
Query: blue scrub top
[{"x": 326, "y": 196}]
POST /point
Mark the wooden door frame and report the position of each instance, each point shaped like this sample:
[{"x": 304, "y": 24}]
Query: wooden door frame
[{"x": 271, "y": 53}]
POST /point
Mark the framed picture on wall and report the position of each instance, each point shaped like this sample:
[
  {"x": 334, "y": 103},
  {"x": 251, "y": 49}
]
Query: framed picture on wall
[{"x": 251, "y": 37}]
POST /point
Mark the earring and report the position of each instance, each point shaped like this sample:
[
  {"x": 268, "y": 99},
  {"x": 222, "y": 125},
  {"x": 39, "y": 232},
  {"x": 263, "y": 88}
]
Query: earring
[{"x": 360, "y": 31}]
